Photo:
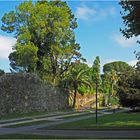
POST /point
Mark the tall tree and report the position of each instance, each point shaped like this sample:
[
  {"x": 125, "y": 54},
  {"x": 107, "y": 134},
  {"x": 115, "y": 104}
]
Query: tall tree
[
  {"x": 96, "y": 71},
  {"x": 96, "y": 80},
  {"x": 113, "y": 80},
  {"x": 131, "y": 19},
  {"x": 49, "y": 26},
  {"x": 105, "y": 88}
]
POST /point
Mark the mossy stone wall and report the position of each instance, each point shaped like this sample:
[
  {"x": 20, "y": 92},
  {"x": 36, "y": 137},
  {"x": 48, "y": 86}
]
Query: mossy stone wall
[{"x": 25, "y": 93}]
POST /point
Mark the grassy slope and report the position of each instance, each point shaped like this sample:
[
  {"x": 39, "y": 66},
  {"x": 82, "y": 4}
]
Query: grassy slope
[{"x": 115, "y": 121}]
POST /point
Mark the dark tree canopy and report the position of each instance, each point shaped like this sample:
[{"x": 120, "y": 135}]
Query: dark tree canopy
[
  {"x": 129, "y": 89},
  {"x": 131, "y": 19}
]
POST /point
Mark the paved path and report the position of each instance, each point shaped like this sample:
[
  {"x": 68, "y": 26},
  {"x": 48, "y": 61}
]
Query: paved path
[
  {"x": 90, "y": 133},
  {"x": 35, "y": 129},
  {"x": 51, "y": 114},
  {"x": 55, "y": 118}
]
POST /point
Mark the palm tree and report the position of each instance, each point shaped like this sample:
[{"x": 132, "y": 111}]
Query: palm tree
[{"x": 75, "y": 78}]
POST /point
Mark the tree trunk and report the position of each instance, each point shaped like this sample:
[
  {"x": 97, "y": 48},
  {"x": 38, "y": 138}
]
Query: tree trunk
[
  {"x": 109, "y": 95},
  {"x": 112, "y": 91},
  {"x": 75, "y": 93}
]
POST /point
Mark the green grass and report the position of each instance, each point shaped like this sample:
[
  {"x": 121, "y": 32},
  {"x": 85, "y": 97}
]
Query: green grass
[
  {"x": 76, "y": 115},
  {"x": 20, "y": 115},
  {"x": 29, "y": 136},
  {"x": 27, "y": 124},
  {"x": 46, "y": 121},
  {"x": 30, "y": 114},
  {"x": 111, "y": 121}
]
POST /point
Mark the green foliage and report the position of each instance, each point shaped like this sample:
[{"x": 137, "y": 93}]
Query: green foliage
[
  {"x": 1, "y": 72},
  {"x": 96, "y": 70},
  {"x": 48, "y": 28},
  {"x": 27, "y": 56},
  {"x": 112, "y": 72},
  {"x": 105, "y": 88},
  {"x": 112, "y": 121},
  {"x": 114, "y": 100},
  {"x": 130, "y": 16},
  {"x": 117, "y": 66},
  {"x": 76, "y": 79},
  {"x": 109, "y": 86},
  {"x": 83, "y": 89},
  {"x": 106, "y": 83},
  {"x": 129, "y": 89}
]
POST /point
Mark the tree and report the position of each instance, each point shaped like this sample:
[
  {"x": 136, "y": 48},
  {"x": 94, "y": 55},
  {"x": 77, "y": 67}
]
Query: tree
[
  {"x": 105, "y": 88},
  {"x": 96, "y": 79},
  {"x": 131, "y": 19},
  {"x": 48, "y": 26},
  {"x": 118, "y": 66},
  {"x": 109, "y": 81},
  {"x": 129, "y": 89},
  {"x": 113, "y": 80},
  {"x": 1, "y": 72},
  {"x": 96, "y": 71},
  {"x": 75, "y": 78},
  {"x": 27, "y": 57},
  {"x": 114, "y": 70}
]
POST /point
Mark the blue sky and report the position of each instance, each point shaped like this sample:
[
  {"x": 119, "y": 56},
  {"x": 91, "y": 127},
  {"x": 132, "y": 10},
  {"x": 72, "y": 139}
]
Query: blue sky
[{"x": 98, "y": 32}]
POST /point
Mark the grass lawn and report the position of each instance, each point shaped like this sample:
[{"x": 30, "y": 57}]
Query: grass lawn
[
  {"x": 27, "y": 124},
  {"x": 110, "y": 121},
  {"x": 29, "y": 136},
  {"x": 46, "y": 121},
  {"x": 32, "y": 114},
  {"x": 20, "y": 115},
  {"x": 76, "y": 115}
]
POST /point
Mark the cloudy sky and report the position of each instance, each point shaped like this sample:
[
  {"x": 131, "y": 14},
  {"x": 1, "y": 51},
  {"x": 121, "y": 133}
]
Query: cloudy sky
[{"x": 98, "y": 32}]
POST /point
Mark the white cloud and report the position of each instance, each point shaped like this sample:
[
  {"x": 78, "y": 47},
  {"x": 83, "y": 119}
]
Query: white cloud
[
  {"x": 6, "y": 44},
  {"x": 94, "y": 13},
  {"x": 132, "y": 62},
  {"x": 112, "y": 11},
  {"x": 123, "y": 42},
  {"x": 85, "y": 12}
]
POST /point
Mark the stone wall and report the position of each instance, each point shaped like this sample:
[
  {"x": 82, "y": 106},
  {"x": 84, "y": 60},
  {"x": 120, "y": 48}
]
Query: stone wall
[{"x": 26, "y": 93}]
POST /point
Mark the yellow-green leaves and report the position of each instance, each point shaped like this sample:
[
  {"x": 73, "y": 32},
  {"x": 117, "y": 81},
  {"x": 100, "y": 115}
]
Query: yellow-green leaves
[
  {"x": 27, "y": 56},
  {"x": 44, "y": 31}
]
